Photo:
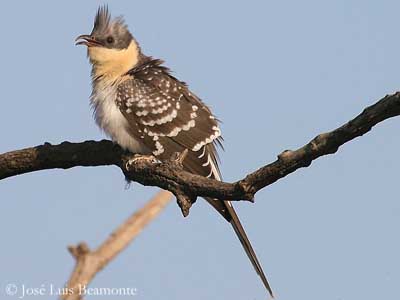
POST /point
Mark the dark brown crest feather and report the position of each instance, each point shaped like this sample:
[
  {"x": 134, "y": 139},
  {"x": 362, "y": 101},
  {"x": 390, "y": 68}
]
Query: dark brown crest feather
[{"x": 102, "y": 19}]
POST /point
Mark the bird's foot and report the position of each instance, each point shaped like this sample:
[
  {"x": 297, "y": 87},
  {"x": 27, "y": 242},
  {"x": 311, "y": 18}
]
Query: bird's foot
[{"x": 139, "y": 158}]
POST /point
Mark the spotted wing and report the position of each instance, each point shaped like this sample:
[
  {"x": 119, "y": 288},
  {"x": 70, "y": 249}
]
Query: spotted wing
[{"x": 169, "y": 118}]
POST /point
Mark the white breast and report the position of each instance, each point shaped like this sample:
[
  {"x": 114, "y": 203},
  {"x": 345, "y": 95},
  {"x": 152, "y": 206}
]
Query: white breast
[{"x": 109, "y": 118}]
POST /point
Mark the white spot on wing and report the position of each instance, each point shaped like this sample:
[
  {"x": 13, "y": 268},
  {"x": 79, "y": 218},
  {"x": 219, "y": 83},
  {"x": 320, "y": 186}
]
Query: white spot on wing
[
  {"x": 160, "y": 149},
  {"x": 142, "y": 113},
  {"x": 163, "y": 120},
  {"x": 204, "y": 152},
  {"x": 216, "y": 134}
]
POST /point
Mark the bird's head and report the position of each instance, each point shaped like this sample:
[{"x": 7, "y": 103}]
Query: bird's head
[{"x": 112, "y": 50}]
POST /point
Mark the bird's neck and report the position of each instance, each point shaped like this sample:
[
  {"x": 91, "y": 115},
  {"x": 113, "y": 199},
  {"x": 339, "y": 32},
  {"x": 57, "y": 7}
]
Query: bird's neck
[{"x": 112, "y": 64}]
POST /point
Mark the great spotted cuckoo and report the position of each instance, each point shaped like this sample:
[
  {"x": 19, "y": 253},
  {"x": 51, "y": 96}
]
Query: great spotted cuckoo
[{"x": 146, "y": 110}]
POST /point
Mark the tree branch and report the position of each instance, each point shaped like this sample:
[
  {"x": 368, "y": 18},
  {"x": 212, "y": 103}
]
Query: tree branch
[
  {"x": 88, "y": 262},
  {"x": 169, "y": 174}
]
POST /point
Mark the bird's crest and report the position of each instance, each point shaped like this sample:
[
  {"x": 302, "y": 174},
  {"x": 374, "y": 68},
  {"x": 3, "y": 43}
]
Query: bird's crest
[
  {"x": 102, "y": 19},
  {"x": 104, "y": 22}
]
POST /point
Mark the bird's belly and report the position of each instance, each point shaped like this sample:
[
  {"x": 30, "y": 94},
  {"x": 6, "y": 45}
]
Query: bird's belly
[{"x": 110, "y": 119}]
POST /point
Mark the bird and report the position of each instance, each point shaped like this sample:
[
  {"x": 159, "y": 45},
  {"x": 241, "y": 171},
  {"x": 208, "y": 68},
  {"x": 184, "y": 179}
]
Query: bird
[{"x": 143, "y": 108}]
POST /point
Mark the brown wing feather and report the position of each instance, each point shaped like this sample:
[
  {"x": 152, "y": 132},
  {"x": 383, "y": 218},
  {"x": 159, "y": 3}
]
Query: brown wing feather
[{"x": 170, "y": 118}]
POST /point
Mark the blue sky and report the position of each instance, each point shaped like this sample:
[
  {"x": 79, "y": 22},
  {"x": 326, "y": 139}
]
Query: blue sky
[{"x": 277, "y": 73}]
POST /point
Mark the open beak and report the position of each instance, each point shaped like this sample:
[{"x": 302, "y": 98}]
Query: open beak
[{"x": 87, "y": 40}]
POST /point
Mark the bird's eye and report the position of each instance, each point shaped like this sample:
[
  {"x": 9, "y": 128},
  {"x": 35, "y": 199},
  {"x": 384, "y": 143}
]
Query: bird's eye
[{"x": 110, "y": 40}]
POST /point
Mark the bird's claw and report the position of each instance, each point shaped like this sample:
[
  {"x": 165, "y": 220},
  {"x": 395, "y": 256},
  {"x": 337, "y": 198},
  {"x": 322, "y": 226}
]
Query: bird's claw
[{"x": 138, "y": 158}]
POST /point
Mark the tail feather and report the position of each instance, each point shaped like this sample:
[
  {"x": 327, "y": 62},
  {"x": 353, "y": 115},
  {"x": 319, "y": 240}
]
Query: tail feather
[
  {"x": 241, "y": 234},
  {"x": 225, "y": 208}
]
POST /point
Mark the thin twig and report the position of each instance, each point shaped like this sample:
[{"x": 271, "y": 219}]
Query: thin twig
[{"x": 89, "y": 263}]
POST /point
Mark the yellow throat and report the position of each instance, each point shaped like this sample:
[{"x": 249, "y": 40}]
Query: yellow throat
[{"x": 111, "y": 64}]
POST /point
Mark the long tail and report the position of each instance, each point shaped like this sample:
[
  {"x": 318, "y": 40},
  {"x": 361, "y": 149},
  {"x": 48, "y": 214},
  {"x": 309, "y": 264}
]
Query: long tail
[
  {"x": 208, "y": 164},
  {"x": 241, "y": 234}
]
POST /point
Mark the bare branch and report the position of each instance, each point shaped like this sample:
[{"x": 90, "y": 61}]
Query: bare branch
[
  {"x": 169, "y": 175},
  {"x": 89, "y": 263}
]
